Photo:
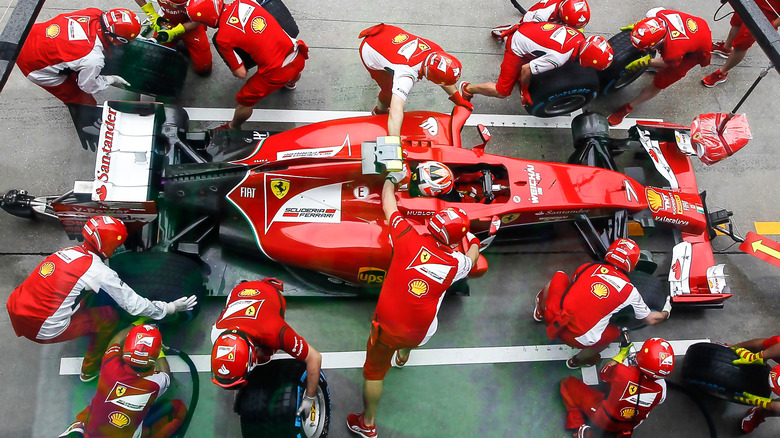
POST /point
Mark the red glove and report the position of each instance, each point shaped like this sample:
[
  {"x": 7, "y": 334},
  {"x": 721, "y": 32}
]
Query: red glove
[
  {"x": 525, "y": 96},
  {"x": 457, "y": 99}
]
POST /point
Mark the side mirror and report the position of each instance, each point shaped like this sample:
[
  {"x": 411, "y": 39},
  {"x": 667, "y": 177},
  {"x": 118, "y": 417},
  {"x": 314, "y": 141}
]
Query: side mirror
[{"x": 484, "y": 134}]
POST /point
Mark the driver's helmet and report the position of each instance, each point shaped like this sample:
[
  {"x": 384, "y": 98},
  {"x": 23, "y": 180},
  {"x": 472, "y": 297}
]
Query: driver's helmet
[
  {"x": 121, "y": 25},
  {"x": 596, "y": 53},
  {"x": 774, "y": 379},
  {"x": 205, "y": 11},
  {"x": 442, "y": 68},
  {"x": 656, "y": 358},
  {"x": 433, "y": 178},
  {"x": 449, "y": 226},
  {"x": 648, "y": 33},
  {"x": 574, "y": 13},
  {"x": 623, "y": 253},
  {"x": 232, "y": 358},
  {"x": 142, "y": 347},
  {"x": 103, "y": 234}
]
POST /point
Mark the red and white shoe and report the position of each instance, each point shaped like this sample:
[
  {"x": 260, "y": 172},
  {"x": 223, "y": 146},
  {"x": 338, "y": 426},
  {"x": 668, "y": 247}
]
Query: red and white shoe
[
  {"x": 714, "y": 79},
  {"x": 584, "y": 431},
  {"x": 719, "y": 48},
  {"x": 462, "y": 89},
  {"x": 538, "y": 315},
  {"x": 356, "y": 426},
  {"x": 500, "y": 32},
  {"x": 620, "y": 114},
  {"x": 754, "y": 417},
  {"x": 397, "y": 362}
]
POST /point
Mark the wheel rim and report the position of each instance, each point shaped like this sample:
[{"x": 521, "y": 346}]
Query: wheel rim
[
  {"x": 625, "y": 79},
  {"x": 314, "y": 429},
  {"x": 566, "y": 104}
]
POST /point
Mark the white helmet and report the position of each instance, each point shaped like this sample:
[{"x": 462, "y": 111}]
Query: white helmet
[{"x": 432, "y": 178}]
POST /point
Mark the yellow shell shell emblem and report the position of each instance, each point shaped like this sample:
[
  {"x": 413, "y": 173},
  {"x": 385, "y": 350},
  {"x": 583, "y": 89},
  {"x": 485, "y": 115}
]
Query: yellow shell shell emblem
[
  {"x": 52, "y": 31},
  {"x": 418, "y": 287},
  {"x": 600, "y": 290},
  {"x": 549, "y": 26},
  {"x": 691, "y": 25},
  {"x": 401, "y": 37},
  {"x": 258, "y": 24},
  {"x": 118, "y": 419},
  {"x": 654, "y": 200},
  {"x": 46, "y": 269},
  {"x": 627, "y": 412}
]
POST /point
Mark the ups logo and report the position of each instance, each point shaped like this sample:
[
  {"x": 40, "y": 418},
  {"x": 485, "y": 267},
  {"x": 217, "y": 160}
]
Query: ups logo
[{"x": 371, "y": 276}]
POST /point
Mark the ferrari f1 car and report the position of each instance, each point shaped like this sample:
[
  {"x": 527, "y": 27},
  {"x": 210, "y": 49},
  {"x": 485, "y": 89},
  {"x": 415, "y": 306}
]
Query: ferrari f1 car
[{"x": 307, "y": 200}]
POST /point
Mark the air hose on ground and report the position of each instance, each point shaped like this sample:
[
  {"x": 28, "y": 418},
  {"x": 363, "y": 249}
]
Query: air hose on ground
[{"x": 195, "y": 391}]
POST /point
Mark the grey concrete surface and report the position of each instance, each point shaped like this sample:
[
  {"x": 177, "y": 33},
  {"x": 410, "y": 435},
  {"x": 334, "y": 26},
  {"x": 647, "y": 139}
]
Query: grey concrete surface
[{"x": 39, "y": 152}]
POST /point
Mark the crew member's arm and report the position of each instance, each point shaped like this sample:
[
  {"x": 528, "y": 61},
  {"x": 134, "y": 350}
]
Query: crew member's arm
[
  {"x": 389, "y": 204},
  {"x": 753, "y": 351},
  {"x": 313, "y": 366},
  {"x": 395, "y": 115},
  {"x": 240, "y": 72}
]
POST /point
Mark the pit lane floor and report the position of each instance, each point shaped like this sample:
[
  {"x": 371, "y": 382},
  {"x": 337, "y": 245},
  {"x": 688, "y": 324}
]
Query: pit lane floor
[{"x": 40, "y": 153}]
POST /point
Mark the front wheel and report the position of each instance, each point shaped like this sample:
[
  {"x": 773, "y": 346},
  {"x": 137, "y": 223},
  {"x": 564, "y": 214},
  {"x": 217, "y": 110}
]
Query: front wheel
[
  {"x": 268, "y": 403},
  {"x": 709, "y": 367},
  {"x": 653, "y": 292},
  {"x": 562, "y": 90},
  {"x": 615, "y": 77}
]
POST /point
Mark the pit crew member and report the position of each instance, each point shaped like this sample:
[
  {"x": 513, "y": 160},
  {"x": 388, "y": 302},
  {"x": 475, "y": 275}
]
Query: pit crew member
[
  {"x": 133, "y": 376},
  {"x": 759, "y": 351},
  {"x": 245, "y": 29},
  {"x": 65, "y": 55},
  {"x": 533, "y": 48},
  {"x": 683, "y": 41},
  {"x": 173, "y": 25},
  {"x": 250, "y": 330},
  {"x": 572, "y": 13},
  {"x": 72, "y": 293},
  {"x": 396, "y": 60},
  {"x": 578, "y": 311},
  {"x": 423, "y": 267},
  {"x": 633, "y": 390},
  {"x": 738, "y": 41}
]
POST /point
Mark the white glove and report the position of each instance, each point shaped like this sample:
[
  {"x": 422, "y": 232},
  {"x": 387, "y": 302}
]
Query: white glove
[
  {"x": 305, "y": 405},
  {"x": 668, "y": 307},
  {"x": 181, "y": 304},
  {"x": 396, "y": 177},
  {"x": 114, "y": 79}
]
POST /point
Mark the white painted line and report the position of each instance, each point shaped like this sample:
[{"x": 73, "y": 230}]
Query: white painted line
[
  {"x": 70, "y": 366},
  {"x": 312, "y": 116}
]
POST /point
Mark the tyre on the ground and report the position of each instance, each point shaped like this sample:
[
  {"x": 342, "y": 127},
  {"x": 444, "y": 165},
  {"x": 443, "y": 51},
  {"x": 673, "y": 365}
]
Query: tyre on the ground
[
  {"x": 282, "y": 15},
  {"x": 614, "y": 77},
  {"x": 267, "y": 404},
  {"x": 654, "y": 293},
  {"x": 709, "y": 368},
  {"x": 562, "y": 90},
  {"x": 150, "y": 68},
  {"x": 162, "y": 276}
]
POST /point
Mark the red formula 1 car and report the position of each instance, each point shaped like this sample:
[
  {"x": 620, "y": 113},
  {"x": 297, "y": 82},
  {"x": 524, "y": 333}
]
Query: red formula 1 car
[{"x": 309, "y": 198}]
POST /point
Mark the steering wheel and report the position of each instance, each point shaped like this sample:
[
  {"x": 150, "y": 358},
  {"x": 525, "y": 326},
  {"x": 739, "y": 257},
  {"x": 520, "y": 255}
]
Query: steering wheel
[{"x": 487, "y": 186}]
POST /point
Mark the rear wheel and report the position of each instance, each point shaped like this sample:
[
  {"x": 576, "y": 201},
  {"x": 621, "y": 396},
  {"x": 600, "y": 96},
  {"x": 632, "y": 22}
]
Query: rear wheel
[
  {"x": 562, "y": 90},
  {"x": 150, "y": 68},
  {"x": 709, "y": 368},
  {"x": 162, "y": 276},
  {"x": 268, "y": 403},
  {"x": 615, "y": 77}
]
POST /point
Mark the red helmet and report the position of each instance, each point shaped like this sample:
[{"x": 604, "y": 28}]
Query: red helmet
[
  {"x": 142, "y": 347},
  {"x": 648, "y": 33},
  {"x": 442, "y": 68},
  {"x": 574, "y": 13},
  {"x": 104, "y": 234},
  {"x": 774, "y": 379},
  {"x": 449, "y": 225},
  {"x": 205, "y": 11},
  {"x": 432, "y": 178},
  {"x": 596, "y": 52},
  {"x": 232, "y": 358},
  {"x": 656, "y": 358},
  {"x": 121, "y": 25},
  {"x": 623, "y": 253}
]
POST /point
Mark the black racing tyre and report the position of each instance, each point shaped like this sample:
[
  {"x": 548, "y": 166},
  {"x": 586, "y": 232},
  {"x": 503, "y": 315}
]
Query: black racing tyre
[
  {"x": 653, "y": 292},
  {"x": 268, "y": 402},
  {"x": 282, "y": 15},
  {"x": 150, "y": 68},
  {"x": 562, "y": 90},
  {"x": 614, "y": 77},
  {"x": 709, "y": 368},
  {"x": 162, "y": 276}
]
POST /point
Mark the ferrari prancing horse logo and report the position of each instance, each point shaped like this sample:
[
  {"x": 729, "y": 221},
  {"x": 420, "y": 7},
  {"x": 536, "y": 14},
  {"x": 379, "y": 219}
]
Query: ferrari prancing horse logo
[
  {"x": 425, "y": 256},
  {"x": 280, "y": 187}
]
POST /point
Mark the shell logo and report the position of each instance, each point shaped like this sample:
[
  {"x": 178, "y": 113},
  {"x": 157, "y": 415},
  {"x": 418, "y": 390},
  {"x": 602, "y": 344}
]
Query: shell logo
[
  {"x": 118, "y": 419},
  {"x": 52, "y": 31},
  {"x": 258, "y": 24},
  {"x": 418, "y": 288},
  {"x": 248, "y": 293},
  {"x": 627, "y": 412},
  {"x": 691, "y": 25},
  {"x": 654, "y": 200},
  {"x": 401, "y": 37},
  {"x": 46, "y": 269},
  {"x": 600, "y": 290},
  {"x": 549, "y": 26}
]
